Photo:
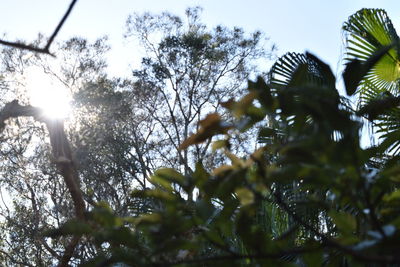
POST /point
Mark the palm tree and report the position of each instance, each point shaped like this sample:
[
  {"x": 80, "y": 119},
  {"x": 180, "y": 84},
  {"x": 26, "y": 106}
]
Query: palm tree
[{"x": 368, "y": 32}]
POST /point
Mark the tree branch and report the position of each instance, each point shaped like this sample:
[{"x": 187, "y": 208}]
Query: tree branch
[{"x": 44, "y": 50}]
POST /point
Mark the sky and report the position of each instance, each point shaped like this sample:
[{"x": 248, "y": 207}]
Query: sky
[{"x": 292, "y": 25}]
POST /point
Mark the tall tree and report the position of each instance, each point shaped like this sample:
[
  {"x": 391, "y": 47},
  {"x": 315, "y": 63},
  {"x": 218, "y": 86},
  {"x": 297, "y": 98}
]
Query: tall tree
[
  {"x": 33, "y": 189},
  {"x": 188, "y": 71}
]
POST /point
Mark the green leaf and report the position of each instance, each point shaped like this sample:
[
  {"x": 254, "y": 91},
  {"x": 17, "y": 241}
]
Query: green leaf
[
  {"x": 154, "y": 193},
  {"x": 380, "y": 105},
  {"x": 394, "y": 196},
  {"x": 357, "y": 70},
  {"x": 245, "y": 196},
  {"x": 148, "y": 219},
  {"x": 71, "y": 227},
  {"x": 314, "y": 259},
  {"x": 200, "y": 175},
  {"x": 345, "y": 222},
  {"x": 170, "y": 175}
]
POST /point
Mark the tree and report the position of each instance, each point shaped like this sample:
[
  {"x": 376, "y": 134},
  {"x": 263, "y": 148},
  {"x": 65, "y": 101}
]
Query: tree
[
  {"x": 188, "y": 72},
  {"x": 33, "y": 183}
]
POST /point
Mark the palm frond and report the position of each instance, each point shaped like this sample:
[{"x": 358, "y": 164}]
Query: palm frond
[
  {"x": 368, "y": 31},
  {"x": 296, "y": 69}
]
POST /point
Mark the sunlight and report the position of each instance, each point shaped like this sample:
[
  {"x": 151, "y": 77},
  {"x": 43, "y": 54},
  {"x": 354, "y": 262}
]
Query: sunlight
[{"x": 47, "y": 93}]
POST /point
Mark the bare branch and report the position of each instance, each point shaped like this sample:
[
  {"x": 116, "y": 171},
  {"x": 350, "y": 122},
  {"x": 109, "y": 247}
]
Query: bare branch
[
  {"x": 25, "y": 47},
  {"x": 44, "y": 50},
  {"x": 60, "y": 24}
]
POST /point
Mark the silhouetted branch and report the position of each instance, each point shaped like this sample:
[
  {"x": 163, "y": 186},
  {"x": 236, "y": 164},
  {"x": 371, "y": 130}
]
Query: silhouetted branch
[
  {"x": 60, "y": 24},
  {"x": 25, "y": 47},
  {"x": 44, "y": 50}
]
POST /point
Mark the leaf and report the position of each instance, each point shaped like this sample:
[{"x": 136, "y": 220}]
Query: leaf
[
  {"x": 263, "y": 92},
  {"x": 210, "y": 126},
  {"x": 157, "y": 180},
  {"x": 221, "y": 170},
  {"x": 71, "y": 227},
  {"x": 148, "y": 219},
  {"x": 236, "y": 161},
  {"x": 324, "y": 70},
  {"x": 295, "y": 70},
  {"x": 378, "y": 106},
  {"x": 245, "y": 196},
  {"x": 369, "y": 31},
  {"x": 200, "y": 175},
  {"x": 219, "y": 144},
  {"x": 345, "y": 222},
  {"x": 314, "y": 259},
  {"x": 154, "y": 193},
  {"x": 356, "y": 70},
  {"x": 170, "y": 175},
  {"x": 394, "y": 196}
]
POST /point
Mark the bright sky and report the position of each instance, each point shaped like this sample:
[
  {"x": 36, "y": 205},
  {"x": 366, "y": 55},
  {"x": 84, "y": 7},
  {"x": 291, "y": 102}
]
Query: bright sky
[
  {"x": 312, "y": 25},
  {"x": 293, "y": 25}
]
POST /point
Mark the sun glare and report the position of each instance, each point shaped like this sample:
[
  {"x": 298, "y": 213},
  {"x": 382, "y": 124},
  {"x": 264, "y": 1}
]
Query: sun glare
[{"x": 47, "y": 93}]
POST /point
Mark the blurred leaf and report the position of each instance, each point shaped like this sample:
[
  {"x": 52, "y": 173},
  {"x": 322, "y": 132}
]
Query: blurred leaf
[
  {"x": 219, "y": 144},
  {"x": 394, "y": 196},
  {"x": 378, "y": 106},
  {"x": 71, "y": 227},
  {"x": 210, "y": 126},
  {"x": 169, "y": 175},
  {"x": 245, "y": 196},
  {"x": 345, "y": 222},
  {"x": 148, "y": 219}
]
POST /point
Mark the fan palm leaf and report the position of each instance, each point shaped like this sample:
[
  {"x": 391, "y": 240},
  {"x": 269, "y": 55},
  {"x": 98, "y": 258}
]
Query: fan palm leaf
[
  {"x": 296, "y": 69},
  {"x": 368, "y": 31}
]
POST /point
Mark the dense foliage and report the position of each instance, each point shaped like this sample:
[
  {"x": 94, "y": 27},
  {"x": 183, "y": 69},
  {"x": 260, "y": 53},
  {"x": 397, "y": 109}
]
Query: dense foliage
[
  {"x": 308, "y": 194},
  {"x": 121, "y": 129}
]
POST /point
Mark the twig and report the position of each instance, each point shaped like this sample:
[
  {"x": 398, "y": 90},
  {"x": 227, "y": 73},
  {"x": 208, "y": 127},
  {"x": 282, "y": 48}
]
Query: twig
[
  {"x": 60, "y": 24},
  {"x": 25, "y": 47},
  {"x": 44, "y": 50}
]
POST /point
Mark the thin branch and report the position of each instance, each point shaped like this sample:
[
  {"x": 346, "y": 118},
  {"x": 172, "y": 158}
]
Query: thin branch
[
  {"x": 60, "y": 24},
  {"x": 44, "y": 50},
  {"x": 14, "y": 260},
  {"x": 25, "y": 47}
]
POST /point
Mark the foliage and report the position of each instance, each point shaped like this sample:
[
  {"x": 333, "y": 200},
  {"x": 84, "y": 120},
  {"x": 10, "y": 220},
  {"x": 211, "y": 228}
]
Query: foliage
[
  {"x": 308, "y": 195},
  {"x": 371, "y": 32},
  {"x": 33, "y": 191},
  {"x": 116, "y": 129},
  {"x": 334, "y": 208}
]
